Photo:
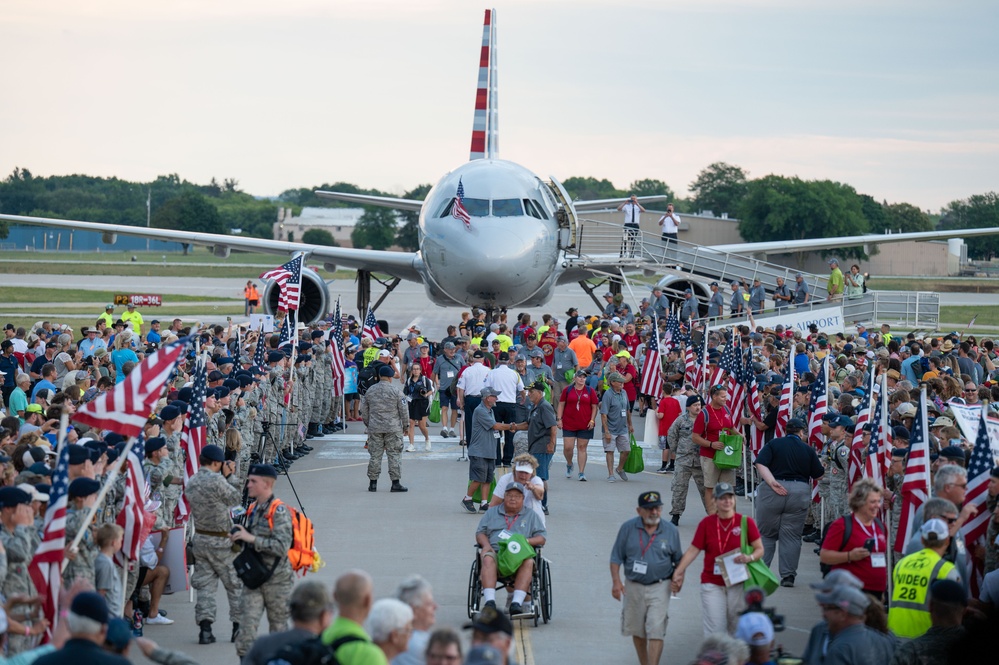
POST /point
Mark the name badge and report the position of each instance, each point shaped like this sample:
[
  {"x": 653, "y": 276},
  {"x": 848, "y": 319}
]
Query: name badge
[
  {"x": 450, "y": 375},
  {"x": 717, "y": 568},
  {"x": 624, "y": 414},
  {"x": 639, "y": 567},
  {"x": 878, "y": 560},
  {"x": 558, "y": 366},
  {"x": 504, "y": 535},
  {"x": 496, "y": 434}
]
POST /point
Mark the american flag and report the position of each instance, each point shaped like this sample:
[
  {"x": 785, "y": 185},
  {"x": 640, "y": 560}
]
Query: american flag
[
  {"x": 287, "y": 335},
  {"x": 336, "y": 348},
  {"x": 45, "y": 568},
  {"x": 879, "y": 449},
  {"x": 458, "y": 210},
  {"x": 691, "y": 368},
  {"x": 133, "y": 512},
  {"x": 818, "y": 405},
  {"x": 259, "y": 357},
  {"x": 370, "y": 328},
  {"x": 916, "y": 485},
  {"x": 652, "y": 376},
  {"x": 756, "y": 436},
  {"x": 126, "y": 409},
  {"x": 289, "y": 281},
  {"x": 856, "y": 468},
  {"x": 673, "y": 332},
  {"x": 194, "y": 434},
  {"x": 786, "y": 404},
  {"x": 733, "y": 362},
  {"x": 979, "y": 472}
]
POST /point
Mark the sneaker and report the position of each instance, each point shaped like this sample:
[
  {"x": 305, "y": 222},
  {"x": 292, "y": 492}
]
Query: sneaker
[
  {"x": 671, "y": 468},
  {"x": 468, "y": 505},
  {"x": 427, "y": 447},
  {"x": 582, "y": 477},
  {"x": 663, "y": 469},
  {"x": 788, "y": 581},
  {"x": 483, "y": 507},
  {"x": 568, "y": 470},
  {"x": 158, "y": 620},
  {"x": 610, "y": 479},
  {"x": 528, "y": 608},
  {"x": 544, "y": 509},
  {"x": 622, "y": 475},
  {"x": 411, "y": 449},
  {"x": 444, "y": 433},
  {"x": 517, "y": 611},
  {"x": 489, "y": 603}
]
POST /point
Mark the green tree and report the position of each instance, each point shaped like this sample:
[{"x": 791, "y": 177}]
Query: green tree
[
  {"x": 906, "y": 218},
  {"x": 719, "y": 187},
  {"x": 779, "y": 208},
  {"x": 408, "y": 236},
  {"x": 874, "y": 213},
  {"x": 975, "y": 212},
  {"x": 588, "y": 189},
  {"x": 319, "y": 237},
  {"x": 651, "y": 187},
  {"x": 189, "y": 212},
  {"x": 375, "y": 229}
]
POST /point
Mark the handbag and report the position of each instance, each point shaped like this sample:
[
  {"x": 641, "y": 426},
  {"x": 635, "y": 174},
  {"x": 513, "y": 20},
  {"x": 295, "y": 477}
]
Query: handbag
[
  {"x": 760, "y": 574},
  {"x": 730, "y": 456},
  {"x": 477, "y": 495},
  {"x": 251, "y": 569},
  {"x": 513, "y": 551},
  {"x": 635, "y": 462},
  {"x": 435, "y": 409}
]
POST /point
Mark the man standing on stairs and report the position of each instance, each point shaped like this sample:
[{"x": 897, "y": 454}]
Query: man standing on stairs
[
  {"x": 632, "y": 210},
  {"x": 670, "y": 225}
]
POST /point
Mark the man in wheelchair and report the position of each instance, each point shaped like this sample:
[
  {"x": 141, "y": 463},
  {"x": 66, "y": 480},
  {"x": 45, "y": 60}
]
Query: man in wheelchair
[{"x": 500, "y": 532}]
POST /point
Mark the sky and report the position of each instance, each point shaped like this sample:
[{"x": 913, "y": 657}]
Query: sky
[{"x": 898, "y": 99}]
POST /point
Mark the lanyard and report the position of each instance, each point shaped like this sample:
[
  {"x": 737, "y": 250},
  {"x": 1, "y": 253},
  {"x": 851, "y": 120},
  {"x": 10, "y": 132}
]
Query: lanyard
[
  {"x": 651, "y": 540},
  {"x": 722, "y": 544},
  {"x": 873, "y": 533},
  {"x": 510, "y": 522}
]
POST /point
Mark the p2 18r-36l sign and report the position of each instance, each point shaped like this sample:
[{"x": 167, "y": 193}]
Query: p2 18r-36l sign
[{"x": 138, "y": 299}]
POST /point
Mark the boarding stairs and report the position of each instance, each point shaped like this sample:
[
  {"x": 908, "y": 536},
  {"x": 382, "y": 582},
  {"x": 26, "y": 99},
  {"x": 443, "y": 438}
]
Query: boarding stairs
[{"x": 599, "y": 245}]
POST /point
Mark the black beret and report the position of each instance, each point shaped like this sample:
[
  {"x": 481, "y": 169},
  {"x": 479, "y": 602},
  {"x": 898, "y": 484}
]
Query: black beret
[
  {"x": 90, "y": 604},
  {"x": 302, "y": 358},
  {"x": 154, "y": 444},
  {"x": 386, "y": 371},
  {"x": 275, "y": 357},
  {"x": 169, "y": 412},
  {"x": 316, "y": 334},
  {"x": 215, "y": 375},
  {"x": 304, "y": 347},
  {"x": 263, "y": 470},
  {"x": 224, "y": 361},
  {"x": 221, "y": 392},
  {"x": 12, "y": 496},
  {"x": 245, "y": 381},
  {"x": 83, "y": 487},
  {"x": 231, "y": 384},
  {"x": 78, "y": 454},
  {"x": 184, "y": 394},
  {"x": 213, "y": 453},
  {"x": 113, "y": 438}
]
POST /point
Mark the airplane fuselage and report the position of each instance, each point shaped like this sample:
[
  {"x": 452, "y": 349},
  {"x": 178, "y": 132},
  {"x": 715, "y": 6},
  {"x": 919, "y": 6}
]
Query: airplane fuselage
[{"x": 508, "y": 255}]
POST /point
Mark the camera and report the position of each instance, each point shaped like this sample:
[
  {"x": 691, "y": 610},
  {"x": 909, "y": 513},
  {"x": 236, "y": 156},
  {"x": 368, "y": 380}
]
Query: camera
[
  {"x": 754, "y": 603},
  {"x": 236, "y": 512}
]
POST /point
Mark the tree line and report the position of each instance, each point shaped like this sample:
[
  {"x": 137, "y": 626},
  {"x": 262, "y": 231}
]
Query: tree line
[{"x": 771, "y": 207}]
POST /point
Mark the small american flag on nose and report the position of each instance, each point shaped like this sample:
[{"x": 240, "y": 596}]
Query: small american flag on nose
[{"x": 458, "y": 209}]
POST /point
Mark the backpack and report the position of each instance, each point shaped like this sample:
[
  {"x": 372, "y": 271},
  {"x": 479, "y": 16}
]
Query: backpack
[
  {"x": 311, "y": 651},
  {"x": 302, "y": 554},
  {"x": 847, "y": 532},
  {"x": 368, "y": 376}
]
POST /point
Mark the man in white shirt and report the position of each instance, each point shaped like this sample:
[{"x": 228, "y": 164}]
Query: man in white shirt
[
  {"x": 632, "y": 210},
  {"x": 505, "y": 380},
  {"x": 471, "y": 381},
  {"x": 670, "y": 225}
]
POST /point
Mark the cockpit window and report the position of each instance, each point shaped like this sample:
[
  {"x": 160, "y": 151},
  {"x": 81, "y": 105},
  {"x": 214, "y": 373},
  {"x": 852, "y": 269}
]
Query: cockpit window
[
  {"x": 507, "y": 208},
  {"x": 474, "y": 207},
  {"x": 535, "y": 209}
]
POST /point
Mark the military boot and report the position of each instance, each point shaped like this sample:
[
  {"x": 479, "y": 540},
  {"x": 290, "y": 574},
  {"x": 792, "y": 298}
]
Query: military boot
[
  {"x": 206, "y": 637},
  {"x": 397, "y": 487},
  {"x": 235, "y": 631}
]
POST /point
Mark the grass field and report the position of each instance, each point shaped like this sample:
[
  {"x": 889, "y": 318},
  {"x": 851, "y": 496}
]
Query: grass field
[{"x": 11, "y": 294}]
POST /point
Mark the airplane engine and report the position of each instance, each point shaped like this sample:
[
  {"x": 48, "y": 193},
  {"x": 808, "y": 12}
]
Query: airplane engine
[
  {"x": 315, "y": 301},
  {"x": 674, "y": 286}
]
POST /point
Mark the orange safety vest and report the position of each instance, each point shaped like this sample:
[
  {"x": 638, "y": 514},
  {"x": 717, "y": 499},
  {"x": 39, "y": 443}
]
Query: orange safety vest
[{"x": 251, "y": 293}]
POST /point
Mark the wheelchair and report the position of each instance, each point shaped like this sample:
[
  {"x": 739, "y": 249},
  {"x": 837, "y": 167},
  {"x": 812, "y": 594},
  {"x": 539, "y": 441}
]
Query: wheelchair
[{"x": 540, "y": 591}]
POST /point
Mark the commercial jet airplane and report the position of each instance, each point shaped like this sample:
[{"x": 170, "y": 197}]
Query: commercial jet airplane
[{"x": 492, "y": 234}]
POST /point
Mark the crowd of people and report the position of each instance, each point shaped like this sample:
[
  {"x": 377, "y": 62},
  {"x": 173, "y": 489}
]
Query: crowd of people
[{"x": 509, "y": 389}]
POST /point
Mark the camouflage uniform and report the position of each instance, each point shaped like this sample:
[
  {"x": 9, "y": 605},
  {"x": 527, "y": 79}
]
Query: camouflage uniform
[
  {"x": 894, "y": 485},
  {"x": 161, "y": 487},
  {"x": 216, "y": 430},
  {"x": 322, "y": 383},
  {"x": 273, "y": 414},
  {"x": 274, "y": 593},
  {"x": 173, "y": 445},
  {"x": 301, "y": 400},
  {"x": 384, "y": 410},
  {"x": 833, "y": 486},
  {"x": 82, "y": 566},
  {"x": 688, "y": 462},
  {"x": 20, "y": 546},
  {"x": 211, "y": 496},
  {"x": 937, "y": 645},
  {"x": 991, "y": 549}
]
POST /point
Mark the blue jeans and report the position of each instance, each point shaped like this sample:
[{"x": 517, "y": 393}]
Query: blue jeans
[{"x": 544, "y": 461}]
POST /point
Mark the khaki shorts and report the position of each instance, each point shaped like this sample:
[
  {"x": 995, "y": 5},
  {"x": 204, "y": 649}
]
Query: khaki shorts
[
  {"x": 619, "y": 442},
  {"x": 713, "y": 475},
  {"x": 645, "y": 609}
]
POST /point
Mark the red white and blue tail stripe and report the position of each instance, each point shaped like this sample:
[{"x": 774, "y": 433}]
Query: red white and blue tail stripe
[{"x": 485, "y": 131}]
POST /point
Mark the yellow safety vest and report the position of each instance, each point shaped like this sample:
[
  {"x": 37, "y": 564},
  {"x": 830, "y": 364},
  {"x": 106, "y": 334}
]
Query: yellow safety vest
[
  {"x": 909, "y": 612},
  {"x": 370, "y": 354}
]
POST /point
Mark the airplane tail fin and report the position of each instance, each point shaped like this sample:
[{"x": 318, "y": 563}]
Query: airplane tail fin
[{"x": 485, "y": 131}]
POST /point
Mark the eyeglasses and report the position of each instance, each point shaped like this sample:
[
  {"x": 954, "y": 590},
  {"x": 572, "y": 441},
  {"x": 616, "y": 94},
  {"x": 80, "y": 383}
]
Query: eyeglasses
[
  {"x": 951, "y": 520},
  {"x": 442, "y": 658},
  {"x": 963, "y": 485}
]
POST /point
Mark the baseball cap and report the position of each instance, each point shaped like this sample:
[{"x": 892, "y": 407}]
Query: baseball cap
[
  {"x": 488, "y": 392},
  {"x": 755, "y": 629},
  {"x": 491, "y": 620},
  {"x": 948, "y": 591},
  {"x": 91, "y": 605},
  {"x": 906, "y": 410},
  {"x": 850, "y": 600},
  {"x": 835, "y": 578},
  {"x": 649, "y": 499},
  {"x": 516, "y": 486},
  {"x": 934, "y": 529},
  {"x": 483, "y": 654},
  {"x": 721, "y": 489}
]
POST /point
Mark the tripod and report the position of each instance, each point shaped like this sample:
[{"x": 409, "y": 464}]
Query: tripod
[
  {"x": 461, "y": 442},
  {"x": 281, "y": 466}
]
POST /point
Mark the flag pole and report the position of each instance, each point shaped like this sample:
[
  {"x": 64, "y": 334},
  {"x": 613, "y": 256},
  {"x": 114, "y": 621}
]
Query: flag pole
[
  {"x": 926, "y": 434},
  {"x": 105, "y": 488}
]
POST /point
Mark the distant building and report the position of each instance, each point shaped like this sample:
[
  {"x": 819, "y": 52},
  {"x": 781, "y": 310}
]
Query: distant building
[{"x": 339, "y": 222}]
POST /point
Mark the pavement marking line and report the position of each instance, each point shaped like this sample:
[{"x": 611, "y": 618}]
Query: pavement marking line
[
  {"x": 523, "y": 638},
  {"x": 327, "y": 468}
]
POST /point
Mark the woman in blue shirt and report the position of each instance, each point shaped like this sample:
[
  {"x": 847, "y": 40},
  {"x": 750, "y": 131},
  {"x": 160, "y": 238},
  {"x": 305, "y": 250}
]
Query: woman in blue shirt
[{"x": 122, "y": 353}]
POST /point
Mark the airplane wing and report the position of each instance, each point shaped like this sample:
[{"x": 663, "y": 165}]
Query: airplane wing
[
  {"x": 610, "y": 204},
  {"x": 398, "y": 264},
  {"x": 365, "y": 199},
  {"x": 821, "y": 244}
]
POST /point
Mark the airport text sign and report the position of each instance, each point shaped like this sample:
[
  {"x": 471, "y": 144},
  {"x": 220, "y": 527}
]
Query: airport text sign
[
  {"x": 138, "y": 299},
  {"x": 828, "y": 319}
]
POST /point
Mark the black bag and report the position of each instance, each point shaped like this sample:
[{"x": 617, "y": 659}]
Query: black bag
[
  {"x": 251, "y": 569},
  {"x": 311, "y": 652},
  {"x": 368, "y": 376}
]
